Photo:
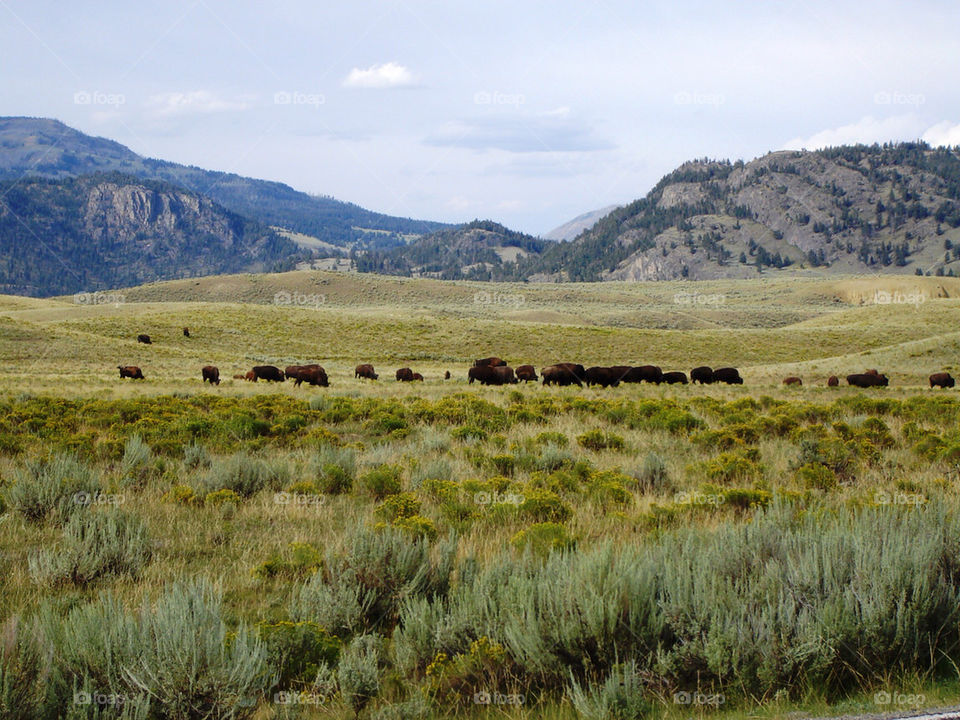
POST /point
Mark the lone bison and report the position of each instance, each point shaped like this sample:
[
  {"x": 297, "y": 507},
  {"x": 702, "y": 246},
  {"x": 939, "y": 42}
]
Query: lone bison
[
  {"x": 865, "y": 380},
  {"x": 602, "y": 376},
  {"x": 675, "y": 377},
  {"x": 792, "y": 380},
  {"x": 211, "y": 374},
  {"x": 489, "y": 362},
  {"x": 563, "y": 374},
  {"x": 270, "y": 373},
  {"x": 446, "y": 375},
  {"x": 833, "y": 381},
  {"x": 365, "y": 371},
  {"x": 728, "y": 375},
  {"x": 527, "y": 373},
  {"x": 130, "y": 371},
  {"x": 942, "y": 380},
  {"x": 702, "y": 375},
  {"x": 145, "y": 339},
  {"x": 186, "y": 332},
  {"x": 643, "y": 373},
  {"x": 405, "y": 375}
]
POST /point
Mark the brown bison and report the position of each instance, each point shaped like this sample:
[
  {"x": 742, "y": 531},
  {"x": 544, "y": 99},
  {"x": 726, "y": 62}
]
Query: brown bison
[
  {"x": 211, "y": 374},
  {"x": 251, "y": 376},
  {"x": 602, "y": 376},
  {"x": 702, "y": 375},
  {"x": 490, "y": 375},
  {"x": 405, "y": 375},
  {"x": 311, "y": 374},
  {"x": 186, "y": 332},
  {"x": 872, "y": 371},
  {"x": 145, "y": 339},
  {"x": 446, "y": 375},
  {"x": 271, "y": 373},
  {"x": 130, "y": 371},
  {"x": 865, "y": 380},
  {"x": 563, "y": 374},
  {"x": 643, "y": 373},
  {"x": 792, "y": 380},
  {"x": 833, "y": 381},
  {"x": 417, "y": 377},
  {"x": 489, "y": 362},
  {"x": 675, "y": 377},
  {"x": 527, "y": 373},
  {"x": 728, "y": 375},
  {"x": 942, "y": 380},
  {"x": 365, "y": 371}
]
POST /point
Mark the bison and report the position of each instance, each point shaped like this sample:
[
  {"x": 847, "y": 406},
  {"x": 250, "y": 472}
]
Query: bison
[
  {"x": 942, "y": 380},
  {"x": 446, "y": 375},
  {"x": 865, "y": 380},
  {"x": 271, "y": 373},
  {"x": 186, "y": 332},
  {"x": 130, "y": 371},
  {"x": 643, "y": 373},
  {"x": 365, "y": 371},
  {"x": 145, "y": 339},
  {"x": 490, "y": 375},
  {"x": 311, "y": 374},
  {"x": 563, "y": 374},
  {"x": 417, "y": 377},
  {"x": 405, "y": 375},
  {"x": 702, "y": 375},
  {"x": 728, "y": 375},
  {"x": 675, "y": 377},
  {"x": 489, "y": 362},
  {"x": 792, "y": 380},
  {"x": 211, "y": 374},
  {"x": 602, "y": 376},
  {"x": 833, "y": 381},
  {"x": 527, "y": 373},
  {"x": 251, "y": 376}
]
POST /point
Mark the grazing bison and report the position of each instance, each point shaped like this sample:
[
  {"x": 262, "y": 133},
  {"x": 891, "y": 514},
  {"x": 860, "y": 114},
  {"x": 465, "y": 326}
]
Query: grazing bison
[
  {"x": 130, "y": 371},
  {"x": 505, "y": 375},
  {"x": 675, "y": 377},
  {"x": 310, "y": 374},
  {"x": 270, "y": 373},
  {"x": 527, "y": 373},
  {"x": 865, "y": 380},
  {"x": 417, "y": 377},
  {"x": 489, "y": 362},
  {"x": 405, "y": 375},
  {"x": 730, "y": 376},
  {"x": 643, "y": 373},
  {"x": 792, "y": 380},
  {"x": 145, "y": 339},
  {"x": 563, "y": 374},
  {"x": 941, "y": 379},
  {"x": 602, "y": 376},
  {"x": 702, "y": 375},
  {"x": 365, "y": 371},
  {"x": 210, "y": 374},
  {"x": 488, "y": 375},
  {"x": 251, "y": 376},
  {"x": 446, "y": 375},
  {"x": 833, "y": 381},
  {"x": 186, "y": 332}
]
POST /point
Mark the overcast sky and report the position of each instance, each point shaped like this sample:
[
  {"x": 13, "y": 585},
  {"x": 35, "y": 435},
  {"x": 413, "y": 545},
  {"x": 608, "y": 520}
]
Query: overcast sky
[{"x": 527, "y": 113}]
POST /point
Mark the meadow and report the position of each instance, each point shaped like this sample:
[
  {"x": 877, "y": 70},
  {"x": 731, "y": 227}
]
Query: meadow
[{"x": 388, "y": 550}]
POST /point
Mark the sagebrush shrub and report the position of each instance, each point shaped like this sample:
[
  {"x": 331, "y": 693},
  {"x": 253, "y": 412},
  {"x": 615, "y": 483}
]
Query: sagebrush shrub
[
  {"x": 52, "y": 488},
  {"x": 246, "y": 475}
]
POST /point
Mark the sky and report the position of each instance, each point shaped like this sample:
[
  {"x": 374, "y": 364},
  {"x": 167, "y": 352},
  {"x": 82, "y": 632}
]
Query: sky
[{"x": 524, "y": 112}]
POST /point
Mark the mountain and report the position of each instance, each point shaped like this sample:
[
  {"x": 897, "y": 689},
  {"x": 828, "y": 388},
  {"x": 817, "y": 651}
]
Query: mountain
[
  {"x": 852, "y": 209},
  {"x": 94, "y": 232},
  {"x": 480, "y": 250},
  {"x": 48, "y": 148},
  {"x": 570, "y": 229}
]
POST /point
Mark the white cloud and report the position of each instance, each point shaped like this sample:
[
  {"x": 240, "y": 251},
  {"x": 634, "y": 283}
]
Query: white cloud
[
  {"x": 868, "y": 130},
  {"x": 197, "y": 102},
  {"x": 943, "y": 133},
  {"x": 386, "y": 75}
]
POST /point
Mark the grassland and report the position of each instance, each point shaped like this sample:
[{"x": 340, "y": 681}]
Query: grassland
[{"x": 397, "y": 551}]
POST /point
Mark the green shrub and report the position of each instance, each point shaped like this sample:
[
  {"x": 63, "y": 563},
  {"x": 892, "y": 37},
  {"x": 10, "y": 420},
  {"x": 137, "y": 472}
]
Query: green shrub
[
  {"x": 468, "y": 433},
  {"x": 358, "y": 674},
  {"x": 608, "y": 488},
  {"x": 137, "y": 457},
  {"x": 732, "y": 466},
  {"x": 394, "y": 507},
  {"x": 21, "y": 672},
  {"x": 295, "y": 651},
  {"x": 543, "y": 538},
  {"x": 382, "y": 480},
  {"x": 816, "y": 476},
  {"x": 619, "y": 697},
  {"x": 416, "y": 526},
  {"x": 551, "y": 438},
  {"x": 196, "y": 456},
  {"x": 544, "y": 506},
  {"x": 600, "y": 440},
  {"x": 182, "y": 495},
  {"x": 221, "y": 497},
  {"x": 246, "y": 475},
  {"x": 51, "y": 488},
  {"x": 652, "y": 476}
]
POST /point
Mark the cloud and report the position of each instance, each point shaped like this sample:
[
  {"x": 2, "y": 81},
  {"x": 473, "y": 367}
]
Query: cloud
[
  {"x": 943, "y": 133},
  {"x": 386, "y": 75},
  {"x": 519, "y": 133},
  {"x": 867, "y": 130},
  {"x": 197, "y": 102}
]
